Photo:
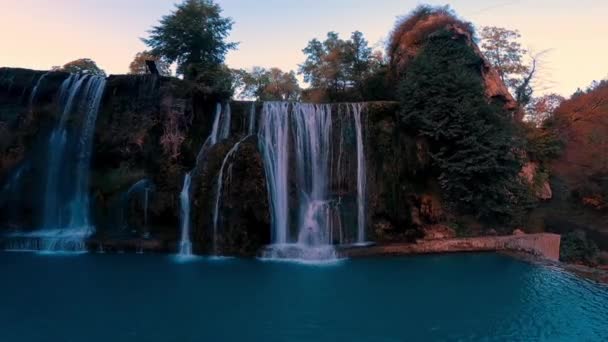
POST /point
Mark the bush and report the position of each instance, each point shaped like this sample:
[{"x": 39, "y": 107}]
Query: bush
[{"x": 577, "y": 248}]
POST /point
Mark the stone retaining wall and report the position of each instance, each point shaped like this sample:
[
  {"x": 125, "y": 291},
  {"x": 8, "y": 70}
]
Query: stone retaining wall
[{"x": 545, "y": 246}]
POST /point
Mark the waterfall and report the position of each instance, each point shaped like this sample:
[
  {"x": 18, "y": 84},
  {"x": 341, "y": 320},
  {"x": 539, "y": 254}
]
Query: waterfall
[
  {"x": 80, "y": 218},
  {"x": 274, "y": 136},
  {"x": 251, "y": 120},
  {"x": 216, "y": 124},
  {"x": 35, "y": 90},
  {"x": 57, "y": 145},
  {"x": 225, "y": 126},
  {"x": 185, "y": 246},
  {"x": 218, "y": 194},
  {"x": 311, "y": 126},
  {"x": 142, "y": 186},
  {"x": 146, "y": 198},
  {"x": 81, "y": 94},
  {"x": 356, "y": 109},
  {"x": 220, "y": 130}
]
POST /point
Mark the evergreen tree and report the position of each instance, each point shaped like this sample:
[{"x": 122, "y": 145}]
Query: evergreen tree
[
  {"x": 194, "y": 36},
  {"x": 473, "y": 144}
]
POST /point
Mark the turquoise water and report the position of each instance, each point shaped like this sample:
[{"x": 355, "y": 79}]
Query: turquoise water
[{"x": 469, "y": 297}]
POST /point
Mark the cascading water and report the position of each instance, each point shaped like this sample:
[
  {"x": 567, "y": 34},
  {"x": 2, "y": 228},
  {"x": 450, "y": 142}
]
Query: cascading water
[
  {"x": 57, "y": 145},
  {"x": 356, "y": 109},
  {"x": 274, "y": 137},
  {"x": 81, "y": 93},
  {"x": 35, "y": 90},
  {"x": 80, "y": 218},
  {"x": 185, "y": 245},
  {"x": 311, "y": 125},
  {"x": 219, "y": 131},
  {"x": 251, "y": 120},
  {"x": 143, "y": 187},
  {"x": 146, "y": 200},
  {"x": 218, "y": 193}
]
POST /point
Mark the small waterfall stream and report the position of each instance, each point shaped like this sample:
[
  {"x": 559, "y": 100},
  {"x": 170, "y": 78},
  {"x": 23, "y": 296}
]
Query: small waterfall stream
[
  {"x": 142, "y": 187},
  {"x": 218, "y": 193},
  {"x": 251, "y": 120},
  {"x": 356, "y": 109},
  {"x": 185, "y": 245},
  {"x": 35, "y": 90},
  {"x": 220, "y": 130}
]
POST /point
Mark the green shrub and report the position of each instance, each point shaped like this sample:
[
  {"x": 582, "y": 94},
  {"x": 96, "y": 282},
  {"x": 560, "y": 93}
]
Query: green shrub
[{"x": 577, "y": 248}]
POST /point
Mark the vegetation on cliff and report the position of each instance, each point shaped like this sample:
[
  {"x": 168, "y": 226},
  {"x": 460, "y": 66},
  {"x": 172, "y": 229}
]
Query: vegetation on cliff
[{"x": 473, "y": 142}]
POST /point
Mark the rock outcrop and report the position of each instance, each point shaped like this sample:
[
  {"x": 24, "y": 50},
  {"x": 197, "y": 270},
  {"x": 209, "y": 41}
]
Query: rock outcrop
[
  {"x": 410, "y": 33},
  {"x": 541, "y": 187}
]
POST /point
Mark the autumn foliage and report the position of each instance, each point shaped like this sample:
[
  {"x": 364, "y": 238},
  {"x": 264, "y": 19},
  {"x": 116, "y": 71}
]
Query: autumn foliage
[{"x": 582, "y": 122}]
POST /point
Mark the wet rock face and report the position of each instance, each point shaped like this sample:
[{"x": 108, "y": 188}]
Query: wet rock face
[
  {"x": 542, "y": 187},
  {"x": 138, "y": 114},
  {"x": 399, "y": 173},
  {"x": 152, "y": 128},
  {"x": 243, "y": 222}
]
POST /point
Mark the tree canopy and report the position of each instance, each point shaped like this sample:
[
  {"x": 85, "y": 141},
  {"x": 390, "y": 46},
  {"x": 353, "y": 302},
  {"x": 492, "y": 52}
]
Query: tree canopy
[
  {"x": 81, "y": 66},
  {"x": 337, "y": 67},
  {"x": 138, "y": 65},
  {"x": 194, "y": 36},
  {"x": 267, "y": 84}
]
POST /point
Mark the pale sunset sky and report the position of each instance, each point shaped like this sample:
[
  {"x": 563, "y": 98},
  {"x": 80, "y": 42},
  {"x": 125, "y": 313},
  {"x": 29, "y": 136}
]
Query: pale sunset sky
[{"x": 39, "y": 34}]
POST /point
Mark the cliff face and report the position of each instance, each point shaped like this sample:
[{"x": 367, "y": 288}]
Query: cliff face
[{"x": 148, "y": 134}]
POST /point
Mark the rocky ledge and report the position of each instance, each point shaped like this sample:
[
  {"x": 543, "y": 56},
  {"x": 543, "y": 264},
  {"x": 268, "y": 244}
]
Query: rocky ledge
[{"x": 545, "y": 246}]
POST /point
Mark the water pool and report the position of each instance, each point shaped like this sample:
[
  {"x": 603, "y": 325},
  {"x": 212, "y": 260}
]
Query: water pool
[{"x": 465, "y": 297}]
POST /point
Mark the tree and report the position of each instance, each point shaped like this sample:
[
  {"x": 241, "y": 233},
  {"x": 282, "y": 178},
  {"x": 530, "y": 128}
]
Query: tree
[
  {"x": 194, "y": 36},
  {"x": 138, "y": 65},
  {"x": 542, "y": 108},
  {"x": 358, "y": 57},
  {"x": 81, "y": 66},
  {"x": 502, "y": 49},
  {"x": 268, "y": 85},
  {"x": 339, "y": 68},
  {"x": 472, "y": 141}
]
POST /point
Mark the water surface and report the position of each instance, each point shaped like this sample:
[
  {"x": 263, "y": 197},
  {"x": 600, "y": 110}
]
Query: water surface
[{"x": 467, "y": 297}]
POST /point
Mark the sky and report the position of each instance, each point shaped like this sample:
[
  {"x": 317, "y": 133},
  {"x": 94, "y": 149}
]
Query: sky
[{"x": 39, "y": 34}]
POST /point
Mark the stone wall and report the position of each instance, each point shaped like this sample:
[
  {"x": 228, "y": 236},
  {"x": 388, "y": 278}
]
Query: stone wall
[{"x": 545, "y": 246}]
